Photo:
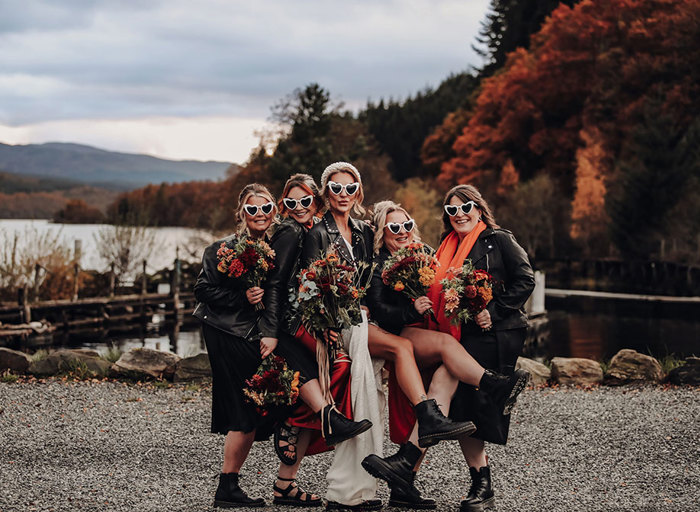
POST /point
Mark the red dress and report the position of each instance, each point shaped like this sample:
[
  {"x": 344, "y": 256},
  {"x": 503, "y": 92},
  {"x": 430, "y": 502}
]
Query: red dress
[{"x": 340, "y": 389}]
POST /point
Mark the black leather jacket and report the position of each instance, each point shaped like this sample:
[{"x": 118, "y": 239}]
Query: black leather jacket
[
  {"x": 326, "y": 234},
  {"x": 222, "y": 302},
  {"x": 287, "y": 242},
  {"x": 390, "y": 309},
  {"x": 497, "y": 252}
]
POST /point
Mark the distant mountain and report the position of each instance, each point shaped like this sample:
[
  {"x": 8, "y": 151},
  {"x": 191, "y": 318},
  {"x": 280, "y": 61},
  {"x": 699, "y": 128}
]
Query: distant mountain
[{"x": 95, "y": 166}]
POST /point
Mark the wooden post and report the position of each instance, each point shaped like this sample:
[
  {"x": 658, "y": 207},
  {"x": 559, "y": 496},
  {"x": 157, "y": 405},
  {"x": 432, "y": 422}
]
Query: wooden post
[
  {"x": 112, "y": 280},
  {"x": 76, "y": 274},
  {"x": 37, "y": 276},
  {"x": 23, "y": 300},
  {"x": 77, "y": 250},
  {"x": 175, "y": 291},
  {"x": 144, "y": 283}
]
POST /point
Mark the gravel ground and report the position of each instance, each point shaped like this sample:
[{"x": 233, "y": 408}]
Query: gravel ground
[{"x": 68, "y": 446}]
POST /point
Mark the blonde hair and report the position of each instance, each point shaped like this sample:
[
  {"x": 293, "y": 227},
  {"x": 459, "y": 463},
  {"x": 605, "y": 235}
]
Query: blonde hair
[
  {"x": 306, "y": 183},
  {"x": 467, "y": 193},
  {"x": 250, "y": 190},
  {"x": 359, "y": 196},
  {"x": 380, "y": 211}
]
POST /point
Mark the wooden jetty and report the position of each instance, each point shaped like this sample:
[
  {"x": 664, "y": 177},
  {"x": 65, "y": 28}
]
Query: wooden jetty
[{"x": 121, "y": 313}]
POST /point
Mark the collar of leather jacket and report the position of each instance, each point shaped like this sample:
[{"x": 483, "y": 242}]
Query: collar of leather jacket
[{"x": 332, "y": 227}]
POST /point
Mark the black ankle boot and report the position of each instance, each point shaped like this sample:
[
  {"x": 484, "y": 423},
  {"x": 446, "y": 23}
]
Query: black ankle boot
[
  {"x": 396, "y": 470},
  {"x": 434, "y": 427},
  {"x": 337, "y": 428},
  {"x": 230, "y": 495},
  {"x": 502, "y": 389},
  {"x": 401, "y": 500},
  {"x": 480, "y": 497}
]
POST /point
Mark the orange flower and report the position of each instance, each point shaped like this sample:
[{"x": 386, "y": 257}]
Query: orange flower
[
  {"x": 427, "y": 276},
  {"x": 310, "y": 275},
  {"x": 399, "y": 286},
  {"x": 451, "y": 299},
  {"x": 332, "y": 258}
]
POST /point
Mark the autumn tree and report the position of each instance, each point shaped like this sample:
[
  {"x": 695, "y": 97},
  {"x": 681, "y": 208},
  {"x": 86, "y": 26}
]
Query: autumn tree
[
  {"x": 509, "y": 25},
  {"x": 653, "y": 170},
  {"x": 590, "y": 69}
]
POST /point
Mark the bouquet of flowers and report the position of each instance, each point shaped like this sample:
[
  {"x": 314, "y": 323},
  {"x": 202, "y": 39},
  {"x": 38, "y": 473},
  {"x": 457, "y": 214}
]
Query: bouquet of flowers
[
  {"x": 273, "y": 384},
  {"x": 468, "y": 291},
  {"x": 330, "y": 292},
  {"x": 248, "y": 259},
  {"x": 411, "y": 270}
]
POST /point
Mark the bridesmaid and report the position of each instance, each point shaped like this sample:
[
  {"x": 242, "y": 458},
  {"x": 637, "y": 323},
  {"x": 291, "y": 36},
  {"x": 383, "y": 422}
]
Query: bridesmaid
[
  {"x": 399, "y": 315},
  {"x": 236, "y": 347},
  {"x": 300, "y": 203},
  {"x": 496, "y": 338}
]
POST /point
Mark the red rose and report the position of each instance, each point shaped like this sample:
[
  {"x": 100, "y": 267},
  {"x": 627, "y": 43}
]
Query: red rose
[{"x": 470, "y": 291}]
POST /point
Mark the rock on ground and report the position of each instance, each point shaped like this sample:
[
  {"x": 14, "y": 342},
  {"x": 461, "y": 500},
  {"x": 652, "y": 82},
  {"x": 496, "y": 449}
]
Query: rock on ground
[
  {"x": 629, "y": 365},
  {"x": 193, "y": 368},
  {"x": 689, "y": 373},
  {"x": 109, "y": 446},
  {"x": 14, "y": 360},
  {"x": 571, "y": 371},
  {"x": 70, "y": 360},
  {"x": 146, "y": 363},
  {"x": 539, "y": 373}
]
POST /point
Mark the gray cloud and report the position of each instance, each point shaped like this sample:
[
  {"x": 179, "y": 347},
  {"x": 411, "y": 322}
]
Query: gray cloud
[{"x": 98, "y": 59}]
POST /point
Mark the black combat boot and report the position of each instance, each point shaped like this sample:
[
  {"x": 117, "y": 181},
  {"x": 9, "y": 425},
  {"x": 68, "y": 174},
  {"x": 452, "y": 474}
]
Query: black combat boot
[
  {"x": 230, "y": 495},
  {"x": 336, "y": 427},
  {"x": 434, "y": 427},
  {"x": 396, "y": 470},
  {"x": 401, "y": 500},
  {"x": 480, "y": 497},
  {"x": 502, "y": 389}
]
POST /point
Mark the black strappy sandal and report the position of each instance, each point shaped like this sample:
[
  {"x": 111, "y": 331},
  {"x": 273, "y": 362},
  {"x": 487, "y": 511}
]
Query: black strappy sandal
[
  {"x": 287, "y": 434},
  {"x": 296, "y": 500}
]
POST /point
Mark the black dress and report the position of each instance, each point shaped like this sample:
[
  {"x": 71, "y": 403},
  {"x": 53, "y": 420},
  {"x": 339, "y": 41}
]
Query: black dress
[
  {"x": 392, "y": 310},
  {"x": 232, "y": 336},
  {"x": 497, "y": 252}
]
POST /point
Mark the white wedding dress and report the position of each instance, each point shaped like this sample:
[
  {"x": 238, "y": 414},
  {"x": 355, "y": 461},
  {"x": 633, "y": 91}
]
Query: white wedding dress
[{"x": 348, "y": 482}]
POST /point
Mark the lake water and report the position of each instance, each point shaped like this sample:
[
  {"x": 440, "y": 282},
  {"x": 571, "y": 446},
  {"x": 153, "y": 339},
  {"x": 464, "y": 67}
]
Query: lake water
[
  {"x": 567, "y": 334},
  {"x": 188, "y": 243}
]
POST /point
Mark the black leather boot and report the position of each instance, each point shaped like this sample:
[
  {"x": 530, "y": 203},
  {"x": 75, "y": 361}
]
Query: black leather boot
[
  {"x": 502, "y": 389},
  {"x": 396, "y": 470},
  {"x": 480, "y": 497},
  {"x": 336, "y": 427},
  {"x": 230, "y": 495},
  {"x": 434, "y": 427},
  {"x": 398, "y": 499}
]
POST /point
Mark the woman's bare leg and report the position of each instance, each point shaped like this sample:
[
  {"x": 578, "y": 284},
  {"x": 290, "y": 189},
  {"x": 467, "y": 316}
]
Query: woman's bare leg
[
  {"x": 442, "y": 388},
  {"x": 400, "y": 351},
  {"x": 289, "y": 473},
  {"x": 236, "y": 448},
  {"x": 434, "y": 347},
  {"x": 474, "y": 453},
  {"x": 311, "y": 394}
]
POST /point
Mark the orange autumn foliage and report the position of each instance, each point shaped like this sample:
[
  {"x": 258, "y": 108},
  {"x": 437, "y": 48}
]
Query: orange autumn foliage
[{"x": 597, "y": 65}]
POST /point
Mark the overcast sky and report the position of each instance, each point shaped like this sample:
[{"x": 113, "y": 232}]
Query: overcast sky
[{"x": 194, "y": 79}]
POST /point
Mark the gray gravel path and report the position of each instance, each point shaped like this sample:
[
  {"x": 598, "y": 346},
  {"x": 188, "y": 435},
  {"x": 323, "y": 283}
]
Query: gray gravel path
[{"x": 68, "y": 446}]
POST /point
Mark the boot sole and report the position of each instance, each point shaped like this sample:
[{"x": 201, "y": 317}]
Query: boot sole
[
  {"x": 517, "y": 389},
  {"x": 232, "y": 504},
  {"x": 376, "y": 467},
  {"x": 433, "y": 439},
  {"x": 364, "y": 427},
  {"x": 484, "y": 506},
  {"x": 412, "y": 505}
]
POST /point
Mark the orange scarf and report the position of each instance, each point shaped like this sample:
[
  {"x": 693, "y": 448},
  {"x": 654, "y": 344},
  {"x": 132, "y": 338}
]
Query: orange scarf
[{"x": 450, "y": 254}]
